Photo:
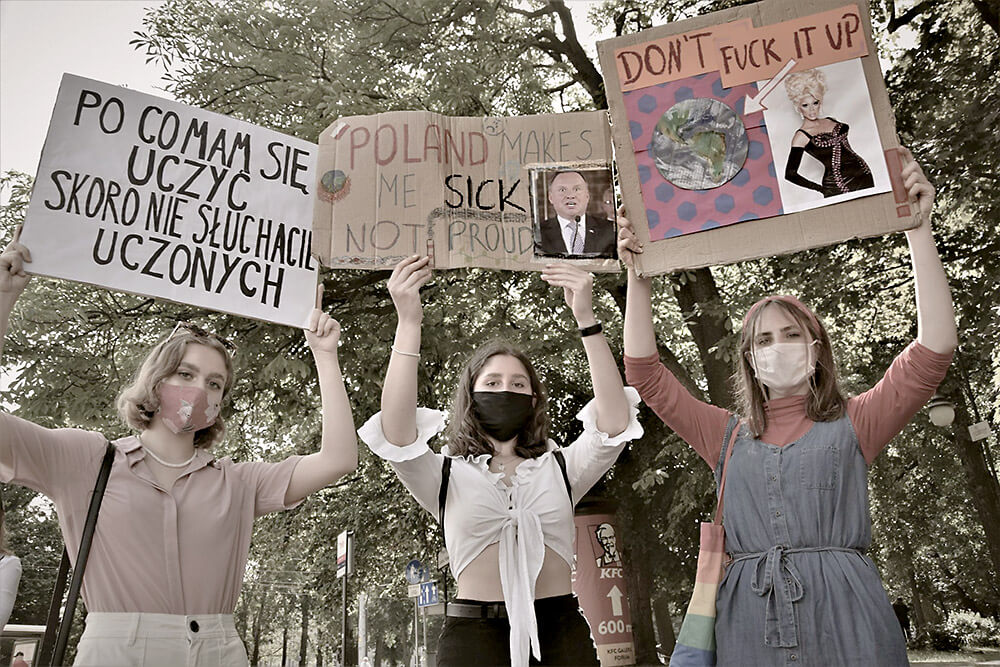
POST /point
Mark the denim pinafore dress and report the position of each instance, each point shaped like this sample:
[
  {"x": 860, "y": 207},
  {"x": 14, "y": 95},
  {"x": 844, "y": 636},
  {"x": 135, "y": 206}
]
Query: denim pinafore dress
[{"x": 800, "y": 590}]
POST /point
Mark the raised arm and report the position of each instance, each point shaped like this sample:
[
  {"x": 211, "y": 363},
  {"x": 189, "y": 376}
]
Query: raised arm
[
  {"x": 700, "y": 424},
  {"x": 935, "y": 313},
  {"x": 609, "y": 392},
  {"x": 399, "y": 392},
  {"x": 338, "y": 453},
  {"x": 792, "y": 175},
  {"x": 640, "y": 338},
  {"x": 13, "y": 280}
]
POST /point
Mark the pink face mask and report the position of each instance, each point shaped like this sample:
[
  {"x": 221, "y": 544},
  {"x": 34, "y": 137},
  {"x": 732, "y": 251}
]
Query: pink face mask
[{"x": 186, "y": 409}]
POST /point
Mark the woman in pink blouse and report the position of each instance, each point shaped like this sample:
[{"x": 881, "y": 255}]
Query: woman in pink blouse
[
  {"x": 800, "y": 589},
  {"x": 171, "y": 542},
  {"x": 508, "y": 518}
]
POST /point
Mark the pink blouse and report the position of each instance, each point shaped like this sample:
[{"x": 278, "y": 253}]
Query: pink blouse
[{"x": 169, "y": 551}]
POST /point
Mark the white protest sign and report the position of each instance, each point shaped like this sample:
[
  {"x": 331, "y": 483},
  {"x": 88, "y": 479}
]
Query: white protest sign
[{"x": 141, "y": 194}]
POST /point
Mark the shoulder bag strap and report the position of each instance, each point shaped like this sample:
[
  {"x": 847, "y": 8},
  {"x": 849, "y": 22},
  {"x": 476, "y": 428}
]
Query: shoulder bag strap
[
  {"x": 561, "y": 460},
  {"x": 59, "y": 650},
  {"x": 725, "y": 469}
]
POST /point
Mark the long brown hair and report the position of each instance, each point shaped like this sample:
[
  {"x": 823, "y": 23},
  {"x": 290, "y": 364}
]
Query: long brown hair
[
  {"x": 466, "y": 435},
  {"x": 825, "y": 402},
  {"x": 139, "y": 401}
]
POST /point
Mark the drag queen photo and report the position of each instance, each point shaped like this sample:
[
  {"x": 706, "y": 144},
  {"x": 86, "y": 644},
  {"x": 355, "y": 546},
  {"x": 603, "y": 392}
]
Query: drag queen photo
[{"x": 824, "y": 138}]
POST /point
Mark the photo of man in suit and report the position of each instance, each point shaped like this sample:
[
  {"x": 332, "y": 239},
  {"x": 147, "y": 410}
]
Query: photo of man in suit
[{"x": 572, "y": 232}]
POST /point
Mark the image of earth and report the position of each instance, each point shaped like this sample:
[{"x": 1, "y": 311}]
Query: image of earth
[{"x": 699, "y": 144}]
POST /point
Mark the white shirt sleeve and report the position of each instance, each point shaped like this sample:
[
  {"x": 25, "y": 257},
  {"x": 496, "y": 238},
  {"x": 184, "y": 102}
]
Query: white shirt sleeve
[
  {"x": 594, "y": 452},
  {"x": 10, "y": 576},
  {"x": 415, "y": 464}
]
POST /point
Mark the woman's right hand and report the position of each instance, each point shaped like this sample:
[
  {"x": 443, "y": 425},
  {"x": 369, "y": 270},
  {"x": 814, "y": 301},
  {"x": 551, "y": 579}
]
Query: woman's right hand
[
  {"x": 628, "y": 242},
  {"x": 13, "y": 277},
  {"x": 404, "y": 287}
]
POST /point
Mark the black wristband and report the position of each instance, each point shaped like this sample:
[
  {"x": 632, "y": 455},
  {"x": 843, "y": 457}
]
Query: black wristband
[{"x": 591, "y": 330}]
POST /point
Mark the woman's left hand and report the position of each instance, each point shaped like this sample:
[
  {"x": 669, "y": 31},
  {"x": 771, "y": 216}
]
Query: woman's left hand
[
  {"x": 916, "y": 183},
  {"x": 578, "y": 289},
  {"x": 323, "y": 333}
]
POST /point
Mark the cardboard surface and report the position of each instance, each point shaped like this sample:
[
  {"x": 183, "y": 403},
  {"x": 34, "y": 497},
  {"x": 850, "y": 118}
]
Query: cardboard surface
[
  {"x": 742, "y": 217},
  {"x": 456, "y": 188},
  {"x": 145, "y": 195}
]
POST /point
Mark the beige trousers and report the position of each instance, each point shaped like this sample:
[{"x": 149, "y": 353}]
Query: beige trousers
[{"x": 160, "y": 640}]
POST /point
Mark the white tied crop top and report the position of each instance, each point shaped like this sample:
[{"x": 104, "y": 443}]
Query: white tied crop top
[{"x": 524, "y": 518}]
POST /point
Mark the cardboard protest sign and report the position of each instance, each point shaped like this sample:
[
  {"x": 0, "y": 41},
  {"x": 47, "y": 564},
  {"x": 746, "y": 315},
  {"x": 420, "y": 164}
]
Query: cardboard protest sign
[
  {"x": 470, "y": 192},
  {"x": 145, "y": 195},
  {"x": 728, "y": 127}
]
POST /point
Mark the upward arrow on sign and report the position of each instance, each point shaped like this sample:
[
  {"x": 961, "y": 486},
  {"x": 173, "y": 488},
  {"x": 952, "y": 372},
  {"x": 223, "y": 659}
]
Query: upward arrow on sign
[
  {"x": 755, "y": 104},
  {"x": 616, "y": 601}
]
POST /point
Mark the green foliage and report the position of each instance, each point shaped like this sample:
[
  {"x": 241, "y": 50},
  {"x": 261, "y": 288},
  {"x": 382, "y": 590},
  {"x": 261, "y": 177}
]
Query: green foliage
[
  {"x": 295, "y": 66},
  {"x": 972, "y": 629}
]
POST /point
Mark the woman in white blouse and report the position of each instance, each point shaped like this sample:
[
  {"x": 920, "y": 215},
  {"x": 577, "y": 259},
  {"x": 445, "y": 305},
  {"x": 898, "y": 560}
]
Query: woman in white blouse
[
  {"x": 10, "y": 573},
  {"x": 508, "y": 520}
]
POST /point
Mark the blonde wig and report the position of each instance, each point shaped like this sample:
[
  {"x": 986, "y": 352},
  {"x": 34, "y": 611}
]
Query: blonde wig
[{"x": 807, "y": 83}]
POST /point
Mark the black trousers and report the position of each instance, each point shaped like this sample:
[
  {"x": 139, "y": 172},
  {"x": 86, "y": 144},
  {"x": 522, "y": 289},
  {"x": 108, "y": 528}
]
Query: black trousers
[{"x": 563, "y": 634}]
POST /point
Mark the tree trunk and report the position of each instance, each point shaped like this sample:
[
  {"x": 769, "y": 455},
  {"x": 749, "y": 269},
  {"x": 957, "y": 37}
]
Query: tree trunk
[
  {"x": 983, "y": 488},
  {"x": 705, "y": 314},
  {"x": 257, "y": 623},
  {"x": 664, "y": 625},
  {"x": 304, "y": 639},
  {"x": 284, "y": 647},
  {"x": 639, "y": 589}
]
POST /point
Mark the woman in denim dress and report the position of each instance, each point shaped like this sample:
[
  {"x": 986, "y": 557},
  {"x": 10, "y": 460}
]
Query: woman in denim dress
[{"x": 800, "y": 589}]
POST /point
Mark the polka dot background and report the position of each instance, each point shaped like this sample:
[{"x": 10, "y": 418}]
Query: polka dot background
[{"x": 673, "y": 211}]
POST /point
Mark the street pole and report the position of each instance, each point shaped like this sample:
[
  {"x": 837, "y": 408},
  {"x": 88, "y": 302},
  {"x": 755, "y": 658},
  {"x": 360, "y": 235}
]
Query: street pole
[
  {"x": 416, "y": 634},
  {"x": 424, "y": 653},
  {"x": 343, "y": 625}
]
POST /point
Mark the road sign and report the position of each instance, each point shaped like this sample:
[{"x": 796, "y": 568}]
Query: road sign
[
  {"x": 428, "y": 594},
  {"x": 345, "y": 553},
  {"x": 980, "y": 431},
  {"x": 415, "y": 572},
  {"x": 413, "y": 591}
]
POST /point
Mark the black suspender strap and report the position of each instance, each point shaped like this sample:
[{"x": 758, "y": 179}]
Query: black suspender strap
[
  {"x": 59, "y": 649},
  {"x": 561, "y": 460},
  {"x": 443, "y": 494}
]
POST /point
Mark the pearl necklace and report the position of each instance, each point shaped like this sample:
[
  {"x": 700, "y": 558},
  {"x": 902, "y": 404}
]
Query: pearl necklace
[
  {"x": 156, "y": 458},
  {"x": 502, "y": 465}
]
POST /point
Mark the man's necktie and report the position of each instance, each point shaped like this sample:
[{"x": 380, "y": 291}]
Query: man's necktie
[{"x": 576, "y": 246}]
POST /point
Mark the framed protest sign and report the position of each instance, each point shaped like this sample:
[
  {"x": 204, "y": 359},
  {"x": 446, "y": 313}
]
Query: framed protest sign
[
  {"x": 752, "y": 132},
  {"x": 464, "y": 190},
  {"x": 146, "y": 195}
]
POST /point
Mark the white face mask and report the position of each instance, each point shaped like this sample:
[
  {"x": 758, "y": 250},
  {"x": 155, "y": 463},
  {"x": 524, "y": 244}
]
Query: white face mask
[{"x": 783, "y": 366}]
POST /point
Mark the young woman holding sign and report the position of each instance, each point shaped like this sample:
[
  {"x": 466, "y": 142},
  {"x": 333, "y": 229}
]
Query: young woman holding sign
[
  {"x": 508, "y": 517},
  {"x": 172, "y": 537},
  {"x": 800, "y": 589}
]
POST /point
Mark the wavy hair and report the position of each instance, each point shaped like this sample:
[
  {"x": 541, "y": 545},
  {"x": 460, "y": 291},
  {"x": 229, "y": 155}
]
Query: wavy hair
[
  {"x": 807, "y": 82},
  {"x": 139, "y": 401},
  {"x": 466, "y": 435},
  {"x": 825, "y": 403}
]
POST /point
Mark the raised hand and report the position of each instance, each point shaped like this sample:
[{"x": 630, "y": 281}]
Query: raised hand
[
  {"x": 628, "y": 242},
  {"x": 578, "y": 289},
  {"x": 13, "y": 277},
  {"x": 916, "y": 183},
  {"x": 323, "y": 333},
  {"x": 404, "y": 286}
]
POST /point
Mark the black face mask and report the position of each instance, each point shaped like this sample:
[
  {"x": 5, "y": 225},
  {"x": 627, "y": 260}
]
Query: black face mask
[{"x": 503, "y": 414}]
